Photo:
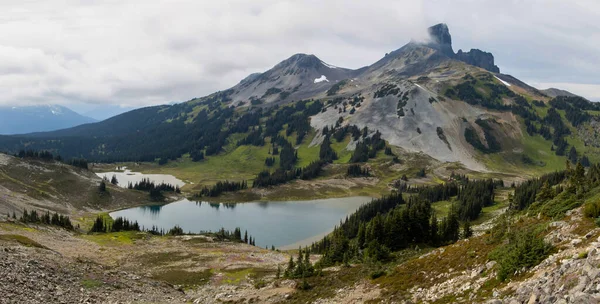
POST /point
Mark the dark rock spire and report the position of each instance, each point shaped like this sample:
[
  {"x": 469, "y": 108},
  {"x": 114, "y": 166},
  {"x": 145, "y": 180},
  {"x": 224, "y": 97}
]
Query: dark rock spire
[{"x": 440, "y": 39}]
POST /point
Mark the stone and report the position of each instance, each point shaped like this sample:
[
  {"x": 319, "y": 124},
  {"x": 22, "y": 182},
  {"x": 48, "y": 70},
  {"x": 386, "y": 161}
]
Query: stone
[
  {"x": 489, "y": 265},
  {"x": 532, "y": 299},
  {"x": 581, "y": 297}
]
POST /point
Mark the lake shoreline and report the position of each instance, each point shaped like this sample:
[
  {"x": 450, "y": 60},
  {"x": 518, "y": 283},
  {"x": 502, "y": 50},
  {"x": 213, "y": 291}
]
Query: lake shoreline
[{"x": 276, "y": 223}]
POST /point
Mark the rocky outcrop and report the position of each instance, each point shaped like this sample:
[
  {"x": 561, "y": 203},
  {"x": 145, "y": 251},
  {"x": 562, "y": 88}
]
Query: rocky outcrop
[
  {"x": 441, "y": 40},
  {"x": 478, "y": 58},
  {"x": 571, "y": 275}
]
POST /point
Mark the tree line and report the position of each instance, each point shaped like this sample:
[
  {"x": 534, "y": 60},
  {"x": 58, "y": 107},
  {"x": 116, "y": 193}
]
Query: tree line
[
  {"x": 355, "y": 170},
  {"x": 525, "y": 193},
  {"x": 54, "y": 219},
  {"x": 47, "y": 156},
  {"x": 103, "y": 225},
  {"x": 221, "y": 187}
]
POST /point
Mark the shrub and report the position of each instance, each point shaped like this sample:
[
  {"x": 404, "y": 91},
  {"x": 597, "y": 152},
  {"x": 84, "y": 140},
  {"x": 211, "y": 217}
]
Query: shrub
[
  {"x": 524, "y": 250},
  {"x": 377, "y": 274},
  {"x": 592, "y": 209},
  {"x": 260, "y": 284},
  {"x": 304, "y": 285}
]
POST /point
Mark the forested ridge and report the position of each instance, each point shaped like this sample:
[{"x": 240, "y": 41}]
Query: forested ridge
[{"x": 397, "y": 221}]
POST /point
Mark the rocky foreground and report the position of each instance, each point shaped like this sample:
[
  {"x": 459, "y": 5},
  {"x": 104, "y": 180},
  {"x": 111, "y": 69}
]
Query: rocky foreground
[
  {"x": 572, "y": 275},
  {"x": 37, "y": 275}
]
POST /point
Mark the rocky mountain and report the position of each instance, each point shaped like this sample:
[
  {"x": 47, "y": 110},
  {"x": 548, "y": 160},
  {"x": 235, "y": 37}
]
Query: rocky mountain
[
  {"x": 554, "y": 92},
  {"x": 27, "y": 119},
  {"x": 442, "y": 40},
  {"x": 422, "y": 98},
  {"x": 298, "y": 77}
]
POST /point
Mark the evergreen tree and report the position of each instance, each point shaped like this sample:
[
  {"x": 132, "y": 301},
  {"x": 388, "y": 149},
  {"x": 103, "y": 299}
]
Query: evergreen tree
[
  {"x": 360, "y": 237},
  {"x": 467, "y": 231},
  {"x": 545, "y": 193},
  {"x": 102, "y": 187},
  {"x": 573, "y": 155},
  {"x": 578, "y": 179},
  {"x": 98, "y": 225},
  {"x": 114, "y": 180},
  {"x": 585, "y": 161},
  {"x": 290, "y": 269},
  {"x": 433, "y": 230},
  {"x": 278, "y": 274}
]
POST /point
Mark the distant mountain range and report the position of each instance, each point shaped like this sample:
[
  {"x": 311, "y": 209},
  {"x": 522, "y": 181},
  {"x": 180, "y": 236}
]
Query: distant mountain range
[
  {"x": 102, "y": 111},
  {"x": 41, "y": 118}
]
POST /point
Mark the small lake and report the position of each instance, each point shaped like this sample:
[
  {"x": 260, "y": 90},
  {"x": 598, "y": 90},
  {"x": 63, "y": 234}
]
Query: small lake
[
  {"x": 126, "y": 176},
  {"x": 282, "y": 224}
]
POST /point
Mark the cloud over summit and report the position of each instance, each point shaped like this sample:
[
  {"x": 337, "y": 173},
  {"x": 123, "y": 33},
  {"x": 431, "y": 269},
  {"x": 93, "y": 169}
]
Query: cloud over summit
[{"x": 148, "y": 52}]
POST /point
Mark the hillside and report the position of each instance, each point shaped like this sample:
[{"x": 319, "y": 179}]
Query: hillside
[
  {"x": 421, "y": 98},
  {"x": 49, "y": 185},
  {"x": 28, "y": 119},
  {"x": 536, "y": 240}
]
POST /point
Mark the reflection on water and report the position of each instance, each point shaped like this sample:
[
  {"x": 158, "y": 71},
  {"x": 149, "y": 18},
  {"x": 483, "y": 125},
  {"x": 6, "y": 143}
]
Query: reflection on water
[
  {"x": 152, "y": 210},
  {"x": 272, "y": 223}
]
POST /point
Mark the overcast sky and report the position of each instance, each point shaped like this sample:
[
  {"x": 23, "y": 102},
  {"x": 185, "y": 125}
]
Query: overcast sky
[{"x": 140, "y": 52}]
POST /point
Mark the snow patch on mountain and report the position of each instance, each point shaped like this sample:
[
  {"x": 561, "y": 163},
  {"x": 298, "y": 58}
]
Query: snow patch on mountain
[
  {"x": 504, "y": 82},
  {"x": 321, "y": 79},
  {"x": 328, "y": 65}
]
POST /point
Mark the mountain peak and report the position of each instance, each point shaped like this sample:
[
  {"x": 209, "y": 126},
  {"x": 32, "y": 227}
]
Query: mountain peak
[
  {"x": 441, "y": 39},
  {"x": 303, "y": 61},
  {"x": 440, "y": 34}
]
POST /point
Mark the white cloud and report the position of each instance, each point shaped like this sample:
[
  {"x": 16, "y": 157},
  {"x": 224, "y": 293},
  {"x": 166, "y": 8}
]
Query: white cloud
[{"x": 147, "y": 52}]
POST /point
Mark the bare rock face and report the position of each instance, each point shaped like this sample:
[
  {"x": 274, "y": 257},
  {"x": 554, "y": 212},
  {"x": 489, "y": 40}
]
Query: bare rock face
[
  {"x": 442, "y": 41},
  {"x": 478, "y": 58}
]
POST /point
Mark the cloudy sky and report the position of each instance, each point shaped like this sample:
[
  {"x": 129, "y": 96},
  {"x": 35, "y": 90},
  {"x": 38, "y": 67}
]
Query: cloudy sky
[{"x": 140, "y": 52}]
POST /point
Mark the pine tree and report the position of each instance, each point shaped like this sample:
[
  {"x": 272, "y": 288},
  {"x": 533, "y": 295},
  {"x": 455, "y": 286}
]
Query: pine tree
[
  {"x": 102, "y": 187},
  {"x": 360, "y": 237},
  {"x": 573, "y": 155},
  {"x": 545, "y": 193},
  {"x": 246, "y": 237},
  {"x": 467, "y": 231},
  {"x": 114, "y": 180},
  {"x": 299, "y": 271},
  {"x": 278, "y": 274},
  {"x": 433, "y": 230},
  {"x": 290, "y": 269},
  {"x": 585, "y": 161},
  {"x": 579, "y": 180},
  {"x": 98, "y": 225},
  {"x": 308, "y": 268}
]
